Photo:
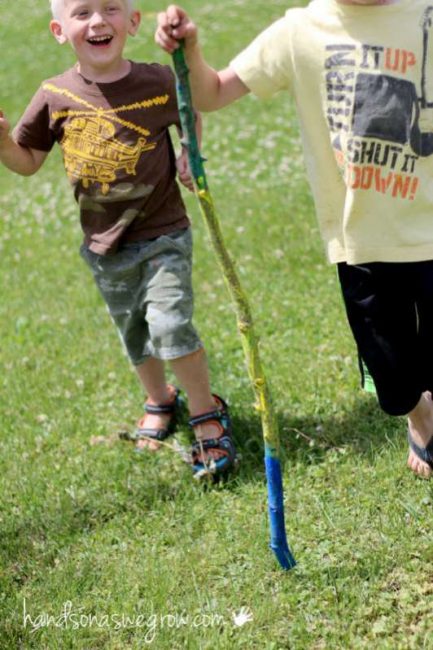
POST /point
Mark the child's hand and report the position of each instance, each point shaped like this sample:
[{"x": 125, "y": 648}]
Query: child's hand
[
  {"x": 175, "y": 25},
  {"x": 4, "y": 127},
  {"x": 184, "y": 171}
]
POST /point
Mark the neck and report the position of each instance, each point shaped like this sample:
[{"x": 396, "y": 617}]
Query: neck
[{"x": 101, "y": 75}]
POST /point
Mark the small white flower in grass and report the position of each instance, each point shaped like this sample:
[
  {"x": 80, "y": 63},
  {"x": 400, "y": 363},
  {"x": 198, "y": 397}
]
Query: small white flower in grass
[{"x": 244, "y": 615}]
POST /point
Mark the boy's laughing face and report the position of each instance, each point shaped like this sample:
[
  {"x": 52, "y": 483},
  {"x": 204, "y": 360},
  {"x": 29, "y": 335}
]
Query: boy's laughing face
[{"x": 97, "y": 31}]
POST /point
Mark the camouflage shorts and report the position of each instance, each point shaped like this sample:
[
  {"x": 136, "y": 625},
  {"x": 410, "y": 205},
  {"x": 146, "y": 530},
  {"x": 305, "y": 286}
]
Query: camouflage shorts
[{"x": 148, "y": 291}]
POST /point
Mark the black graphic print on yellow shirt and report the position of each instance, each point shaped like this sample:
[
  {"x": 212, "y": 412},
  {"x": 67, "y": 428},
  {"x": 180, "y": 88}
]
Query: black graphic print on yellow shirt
[{"x": 376, "y": 103}]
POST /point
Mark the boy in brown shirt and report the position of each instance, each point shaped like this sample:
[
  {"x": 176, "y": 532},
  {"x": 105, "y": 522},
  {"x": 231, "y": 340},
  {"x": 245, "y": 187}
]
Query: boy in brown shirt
[{"x": 111, "y": 118}]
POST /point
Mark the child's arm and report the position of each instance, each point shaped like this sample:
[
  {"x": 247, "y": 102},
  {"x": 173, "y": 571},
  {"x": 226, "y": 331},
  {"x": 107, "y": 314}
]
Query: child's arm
[
  {"x": 21, "y": 160},
  {"x": 211, "y": 90}
]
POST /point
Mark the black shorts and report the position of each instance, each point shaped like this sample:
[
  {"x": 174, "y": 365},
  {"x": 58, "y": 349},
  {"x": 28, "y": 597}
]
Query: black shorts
[{"x": 390, "y": 311}]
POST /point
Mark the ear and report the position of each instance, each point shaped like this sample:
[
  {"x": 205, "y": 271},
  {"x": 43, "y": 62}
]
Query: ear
[
  {"x": 57, "y": 31},
  {"x": 135, "y": 19}
]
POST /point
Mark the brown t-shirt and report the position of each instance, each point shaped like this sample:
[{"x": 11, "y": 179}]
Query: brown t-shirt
[{"x": 117, "y": 151}]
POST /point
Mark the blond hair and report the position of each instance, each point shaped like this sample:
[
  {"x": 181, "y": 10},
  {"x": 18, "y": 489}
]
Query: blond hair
[{"x": 57, "y": 6}]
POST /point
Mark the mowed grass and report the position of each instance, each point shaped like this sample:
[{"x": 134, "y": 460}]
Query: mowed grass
[{"x": 104, "y": 548}]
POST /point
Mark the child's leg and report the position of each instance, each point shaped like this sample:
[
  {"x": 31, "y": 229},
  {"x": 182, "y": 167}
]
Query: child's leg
[
  {"x": 421, "y": 418},
  {"x": 172, "y": 336},
  {"x": 381, "y": 310},
  {"x": 385, "y": 312},
  {"x": 148, "y": 289},
  {"x": 213, "y": 430},
  {"x": 152, "y": 376},
  {"x": 192, "y": 374}
]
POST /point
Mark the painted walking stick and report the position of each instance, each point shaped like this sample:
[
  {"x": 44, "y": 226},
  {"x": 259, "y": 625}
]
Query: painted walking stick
[{"x": 278, "y": 541}]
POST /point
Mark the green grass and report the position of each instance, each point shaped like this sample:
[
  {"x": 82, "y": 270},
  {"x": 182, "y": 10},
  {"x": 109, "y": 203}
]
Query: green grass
[{"x": 117, "y": 534}]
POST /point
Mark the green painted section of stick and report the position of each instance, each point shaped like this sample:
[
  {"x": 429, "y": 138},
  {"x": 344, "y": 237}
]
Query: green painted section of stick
[{"x": 187, "y": 117}]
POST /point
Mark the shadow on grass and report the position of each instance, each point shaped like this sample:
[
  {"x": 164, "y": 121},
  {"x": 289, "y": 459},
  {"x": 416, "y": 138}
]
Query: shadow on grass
[
  {"x": 37, "y": 537},
  {"x": 362, "y": 431}
]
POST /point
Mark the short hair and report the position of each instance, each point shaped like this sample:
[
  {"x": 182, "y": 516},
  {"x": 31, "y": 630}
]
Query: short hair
[{"x": 57, "y": 5}]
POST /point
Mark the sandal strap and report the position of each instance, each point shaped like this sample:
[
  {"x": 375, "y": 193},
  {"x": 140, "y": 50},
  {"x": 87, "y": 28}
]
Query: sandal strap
[
  {"x": 218, "y": 414},
  {"x": 154, "y": 434},
  {"x": 161, "y": 409},
  {"x": 209, "y": 443},
  {"x": 206, "y": 417},
  {"x": 160, "y": 434}
]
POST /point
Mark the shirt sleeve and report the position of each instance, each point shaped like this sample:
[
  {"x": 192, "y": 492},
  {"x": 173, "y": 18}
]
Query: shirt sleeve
[
  {"x": 33, "y": 129},
  {"x": 265, "y": 66}
]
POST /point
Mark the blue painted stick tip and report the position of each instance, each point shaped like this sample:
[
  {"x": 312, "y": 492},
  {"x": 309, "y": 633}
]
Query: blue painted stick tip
[
  {"x": 284, "y": 557},
  {"x": 276, "y": 513}
]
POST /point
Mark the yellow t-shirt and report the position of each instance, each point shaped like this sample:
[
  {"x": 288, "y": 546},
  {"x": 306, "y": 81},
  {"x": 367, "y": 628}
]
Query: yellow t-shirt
[{"x": 362, "y": 80}]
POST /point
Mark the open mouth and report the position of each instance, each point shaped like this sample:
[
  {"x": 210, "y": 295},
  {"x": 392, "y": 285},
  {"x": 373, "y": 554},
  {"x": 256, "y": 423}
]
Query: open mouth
[{"x": 100, "y": 41}]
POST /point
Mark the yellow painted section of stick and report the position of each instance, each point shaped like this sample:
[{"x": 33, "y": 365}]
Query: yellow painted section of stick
[{"x": 250, "y": 342}]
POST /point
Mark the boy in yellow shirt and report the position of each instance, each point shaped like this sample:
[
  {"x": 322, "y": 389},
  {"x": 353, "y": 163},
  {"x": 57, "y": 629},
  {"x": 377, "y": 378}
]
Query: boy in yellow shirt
[{"x": 359, "y": 71}]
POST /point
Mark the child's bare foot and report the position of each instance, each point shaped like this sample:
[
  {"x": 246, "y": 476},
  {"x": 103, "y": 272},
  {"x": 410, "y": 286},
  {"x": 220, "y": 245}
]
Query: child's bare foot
[
  {"x": 420, "y": 459},
  {"x": 157, "y": 422},
  {"x": 416, "y": 463}
]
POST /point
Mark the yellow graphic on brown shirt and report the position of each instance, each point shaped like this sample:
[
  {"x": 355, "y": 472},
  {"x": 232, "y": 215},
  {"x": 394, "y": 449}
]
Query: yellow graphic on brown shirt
[{"x": 91, "y": 152}]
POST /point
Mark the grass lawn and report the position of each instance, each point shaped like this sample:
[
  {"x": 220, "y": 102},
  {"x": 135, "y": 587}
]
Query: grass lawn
[{"x": 101, "y": 547}]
